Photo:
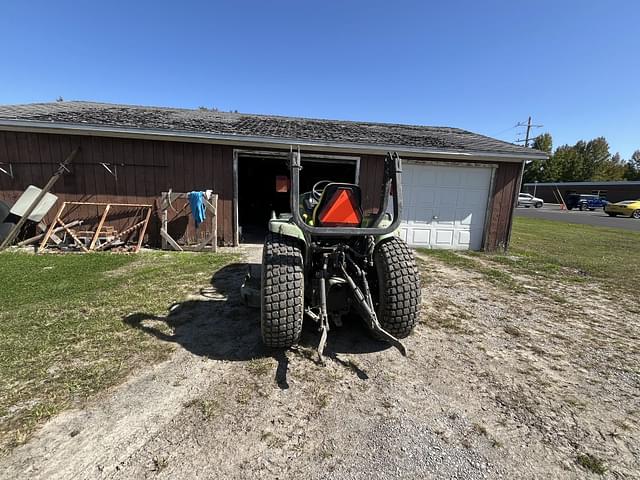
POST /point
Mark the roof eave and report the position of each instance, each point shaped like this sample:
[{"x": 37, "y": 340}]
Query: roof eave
[{"x": 258, "y": 141}]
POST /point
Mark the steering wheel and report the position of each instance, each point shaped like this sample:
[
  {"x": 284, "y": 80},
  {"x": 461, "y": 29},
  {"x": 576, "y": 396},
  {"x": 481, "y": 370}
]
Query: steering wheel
[{"x": 318, "y": 188}]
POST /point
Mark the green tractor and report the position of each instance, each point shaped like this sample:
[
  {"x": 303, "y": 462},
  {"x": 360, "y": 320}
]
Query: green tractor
[{"x": 327, "y": 259}]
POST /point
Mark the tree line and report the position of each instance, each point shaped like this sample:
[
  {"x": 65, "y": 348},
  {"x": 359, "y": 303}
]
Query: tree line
[{"x": 582, "y": 162}]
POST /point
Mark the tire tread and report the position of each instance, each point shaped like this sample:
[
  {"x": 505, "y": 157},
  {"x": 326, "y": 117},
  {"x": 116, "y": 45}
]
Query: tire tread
[
  {"x": 282, "y": 292},
  {"x": 399, "y": 287}
]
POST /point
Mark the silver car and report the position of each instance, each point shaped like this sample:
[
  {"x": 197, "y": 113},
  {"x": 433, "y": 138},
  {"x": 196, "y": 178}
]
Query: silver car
[{"x": 527, "y": 200}]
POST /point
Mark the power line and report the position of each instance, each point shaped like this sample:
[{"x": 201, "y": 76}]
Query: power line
[
  {"x": 529, "y": 126},
  {"x": 505, "y": 130}
]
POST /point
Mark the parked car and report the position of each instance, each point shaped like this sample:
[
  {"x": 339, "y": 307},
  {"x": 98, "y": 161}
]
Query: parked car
[
  {"x": 526, "y": 200},
  {"x": 628, "y": 208},
  {"x": 584, "y": 202}
]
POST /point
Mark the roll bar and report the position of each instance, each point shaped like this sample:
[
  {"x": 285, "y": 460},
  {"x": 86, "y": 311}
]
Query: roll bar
[{"x": 392, "y": 176}]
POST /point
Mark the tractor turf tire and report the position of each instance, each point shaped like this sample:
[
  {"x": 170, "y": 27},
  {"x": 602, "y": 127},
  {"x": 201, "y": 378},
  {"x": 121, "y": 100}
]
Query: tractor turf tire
[
  {"x": 282, "y": 292},
  {"x": 398, "y": 287}
]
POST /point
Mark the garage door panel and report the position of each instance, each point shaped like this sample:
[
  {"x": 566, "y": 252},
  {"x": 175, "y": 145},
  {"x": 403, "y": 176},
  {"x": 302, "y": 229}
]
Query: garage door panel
[
  {"x": 473, "y": 176},
  {"x": 421, "y": 236},
  {"x": 446, "y": 215},
  {"x": 473, "y": 197},
  {"x": 472, "y": 217},
  {"x": 421, "y": 216},
  {"x": 444, "y": 237},
  {"x": 448, "y": 177},
  {"x": 445, "y": 206},
  {"x": 447, "y": 196},
  {"x": 423, "y": 177},
  {"x": 464, "y": 237}
]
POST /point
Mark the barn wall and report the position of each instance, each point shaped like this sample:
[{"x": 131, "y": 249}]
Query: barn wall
[
  {"x": 145, "y": 169},
  {"x": 148, "y": 167},
  {"x": 503, "y": 196}
]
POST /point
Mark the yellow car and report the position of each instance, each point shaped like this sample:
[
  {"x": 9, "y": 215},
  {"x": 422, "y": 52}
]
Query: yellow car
[{"x": 628, "y": 208}]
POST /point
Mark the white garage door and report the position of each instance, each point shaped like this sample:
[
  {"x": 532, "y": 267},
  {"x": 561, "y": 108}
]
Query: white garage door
[{"x": 444, "y": 206}]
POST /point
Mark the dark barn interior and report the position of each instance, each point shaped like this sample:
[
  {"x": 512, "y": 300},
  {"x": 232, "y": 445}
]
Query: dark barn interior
[{"x": 258, "y": 195}]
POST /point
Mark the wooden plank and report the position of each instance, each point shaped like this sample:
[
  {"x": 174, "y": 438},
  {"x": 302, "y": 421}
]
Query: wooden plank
[
  {"x": 170, "y": 240},
  {"x": 31, "y": 240},
  {"x": 149, "y": 169},
  {"x": 73, "y": 235},
  {"x": 102, "y": 178},
  {"x": 14, "y": 231},
  {"x": 6, "y": 182},
  {"x": 69, "y": 183},
  {"x": 140, "y": 172},
  {"x": 94, "y": 240},
  {"x": 211, "y": 207},
  {"x": 129, "y": 172},
  {"x": 120, "y": 235},
  {"x": 218, "y": 175},
  {"x": 159, "y": 158},
  {"x": 165, "y": 219},
  {"x": 51, "y": 227},
  {"x": 100, "y": 204},
  {"x": 18, "y": 170},
  {"x": 43, "y": 227},
  {"x": 492, "y": 237},
  {"x": 143, "y": 230},
  {"x": 31, "y": 169},
  {"x": 512, "y": 173},
  {"x": 225, "y": 207}
]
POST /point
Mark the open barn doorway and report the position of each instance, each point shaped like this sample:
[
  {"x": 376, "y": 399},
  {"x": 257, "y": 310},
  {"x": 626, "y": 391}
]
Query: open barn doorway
[{"x": 263, "y": 186}]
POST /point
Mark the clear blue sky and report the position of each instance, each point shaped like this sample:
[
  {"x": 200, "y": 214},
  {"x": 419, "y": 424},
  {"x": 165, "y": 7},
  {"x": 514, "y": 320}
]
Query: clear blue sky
[{"x": 480, "y": 65}]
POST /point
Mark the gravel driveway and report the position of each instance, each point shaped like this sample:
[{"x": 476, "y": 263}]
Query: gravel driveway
[{"x": 499, "y": 383}]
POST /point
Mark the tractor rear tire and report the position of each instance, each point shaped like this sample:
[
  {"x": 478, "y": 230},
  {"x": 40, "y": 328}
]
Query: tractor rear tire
[
  {"x": 398, "y": 287},
  {"x": 282, "y": 291}
]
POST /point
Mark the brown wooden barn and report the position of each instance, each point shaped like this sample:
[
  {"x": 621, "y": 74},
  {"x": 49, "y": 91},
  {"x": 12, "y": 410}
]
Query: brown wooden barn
[{"x": 459, "y": 187}]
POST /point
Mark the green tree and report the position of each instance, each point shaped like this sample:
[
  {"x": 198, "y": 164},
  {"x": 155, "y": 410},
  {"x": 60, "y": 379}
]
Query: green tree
[
  {"x": 543, "y": 142},
  {"x": 612, "y": 169},
  {"x": 632, "y": 170},
  {"x": 596, "y": 157},
  {"x": 535, "y": 169}
]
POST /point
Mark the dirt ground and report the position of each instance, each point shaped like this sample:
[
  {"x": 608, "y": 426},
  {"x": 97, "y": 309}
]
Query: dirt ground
[{"x": 499, "y": 383}]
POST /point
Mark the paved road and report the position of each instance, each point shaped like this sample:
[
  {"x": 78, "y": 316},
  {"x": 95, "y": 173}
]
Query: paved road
[{"x": 598, "y": 217}]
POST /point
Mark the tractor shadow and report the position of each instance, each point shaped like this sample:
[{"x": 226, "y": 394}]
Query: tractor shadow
[{"x": 216, "y": 324}]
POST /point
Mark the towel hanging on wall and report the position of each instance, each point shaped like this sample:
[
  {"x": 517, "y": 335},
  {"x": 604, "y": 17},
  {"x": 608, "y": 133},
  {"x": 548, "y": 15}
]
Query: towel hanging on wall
[{"x": 198, "y": 210}]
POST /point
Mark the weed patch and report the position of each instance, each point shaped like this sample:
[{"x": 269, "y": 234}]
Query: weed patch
[{"x": 591, "y": 463}]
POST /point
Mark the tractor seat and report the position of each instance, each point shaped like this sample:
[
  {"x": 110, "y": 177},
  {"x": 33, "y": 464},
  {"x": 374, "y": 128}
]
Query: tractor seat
[{"x": 339, "y": 206}]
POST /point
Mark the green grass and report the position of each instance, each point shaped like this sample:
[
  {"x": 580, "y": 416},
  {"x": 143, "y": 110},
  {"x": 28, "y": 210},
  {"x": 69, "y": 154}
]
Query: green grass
[
  {"x": 550, "y": 249},
  {"x": 579, "y": 251},
  {"x": 63, "y": 336}
]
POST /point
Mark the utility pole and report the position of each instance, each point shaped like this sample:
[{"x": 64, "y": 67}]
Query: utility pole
[
  {"x": 526, "y": 140},
  {"x": 529, "y": 126}
]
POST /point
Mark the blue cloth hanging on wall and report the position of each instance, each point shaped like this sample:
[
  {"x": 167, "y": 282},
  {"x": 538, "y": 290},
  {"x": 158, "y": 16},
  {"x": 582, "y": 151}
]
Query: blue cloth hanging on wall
[{"x": 198, "y": 210}]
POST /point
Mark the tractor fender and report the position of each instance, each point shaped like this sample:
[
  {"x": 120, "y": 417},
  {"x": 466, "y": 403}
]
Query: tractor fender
[
  {"x": 395, "y": 233},
  {"x": 383, "y": 223},
  {"x": 286, "y": 228}
]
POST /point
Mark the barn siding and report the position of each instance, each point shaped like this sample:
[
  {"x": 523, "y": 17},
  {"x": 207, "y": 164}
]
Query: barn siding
[
  {"x": 151, "y": 167},
  {"x": 145, "y": 169},
  {"x": 503, "y": 196}
]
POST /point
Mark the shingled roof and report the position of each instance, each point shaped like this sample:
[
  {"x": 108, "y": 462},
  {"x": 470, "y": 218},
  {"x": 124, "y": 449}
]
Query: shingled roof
[{"x": 183, "y": 122}]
